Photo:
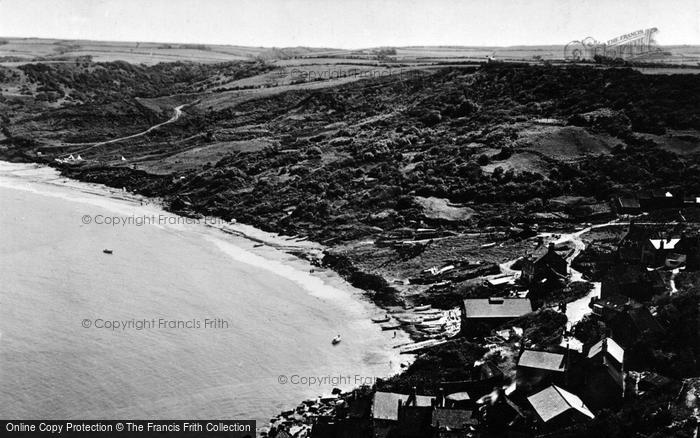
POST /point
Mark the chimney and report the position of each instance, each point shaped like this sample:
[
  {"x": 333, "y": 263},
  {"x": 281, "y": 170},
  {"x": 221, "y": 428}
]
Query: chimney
[
  {"x": 551, "y": 246},
  {"x": 441, "y": 398},
  {"x": 411, "y": 401},
  {"x": 604, "y": 350}
]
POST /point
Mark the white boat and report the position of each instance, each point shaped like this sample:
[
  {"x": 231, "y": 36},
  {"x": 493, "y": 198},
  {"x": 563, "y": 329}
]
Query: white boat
[
  {"x": 378, "y": 319},
  {"x": 422, "y": 308},
  {"x": 409, "y": 319},
  {"x": 411, "y": 348},
  {"x": 390, "y": 326},
  {"x": 336, "y": 340},
  {"x": 432, "y": 317}
]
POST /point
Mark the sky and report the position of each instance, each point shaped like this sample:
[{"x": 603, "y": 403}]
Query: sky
[{"x": 350, "y": 24}]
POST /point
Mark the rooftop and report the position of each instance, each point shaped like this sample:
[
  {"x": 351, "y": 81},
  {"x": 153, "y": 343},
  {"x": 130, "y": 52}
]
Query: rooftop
[
  {"x": 496, "y": 307},
  {"x": 452, "y": 419},
  {"x": 613, "y": 347},
  {"x": 385, "y": 405},
  {"x": 554, "y": 401},
  {"x": 664, "y": 243},
  {"x": 543, "y": 360}
]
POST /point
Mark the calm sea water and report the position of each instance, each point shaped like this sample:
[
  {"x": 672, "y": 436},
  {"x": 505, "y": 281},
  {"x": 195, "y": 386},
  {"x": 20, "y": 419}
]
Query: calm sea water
[{"x": 53, "y": 275}]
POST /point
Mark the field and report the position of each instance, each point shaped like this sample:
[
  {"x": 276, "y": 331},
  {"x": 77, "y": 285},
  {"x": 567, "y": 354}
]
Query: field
[{"x": 16, "y": 51}]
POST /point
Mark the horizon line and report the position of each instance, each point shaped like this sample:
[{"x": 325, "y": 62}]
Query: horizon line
[{"x": 310, "y": 47}]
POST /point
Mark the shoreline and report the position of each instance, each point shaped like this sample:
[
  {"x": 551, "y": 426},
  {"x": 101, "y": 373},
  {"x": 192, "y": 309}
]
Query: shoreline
[{"x": 283, "y": 255}]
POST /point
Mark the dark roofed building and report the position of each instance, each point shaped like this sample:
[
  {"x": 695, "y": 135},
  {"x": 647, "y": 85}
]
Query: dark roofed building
[
  {"x": 452, "y": 422},
  {"x": 635, "y": 246},
  {"x": 558, "y": 408},
  {"x": 414, "y": 421},
  {"x": 385, "y": 405},
  {"x": 610, "y": 306},
  {"x": 389, "y": 410},
  {"x": 549, "y": 266},
  {"x": 627, "y": 206}
]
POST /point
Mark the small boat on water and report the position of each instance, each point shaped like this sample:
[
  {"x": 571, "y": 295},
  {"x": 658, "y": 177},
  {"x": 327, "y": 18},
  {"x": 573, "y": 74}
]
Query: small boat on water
[
  {"x": 107, "y": 251},
  {"x": 422, "y": 308},
  {"x": 336, "y": 340},
  {"x": 379, "y": 319},
  {"x": 258, "y": 245}
]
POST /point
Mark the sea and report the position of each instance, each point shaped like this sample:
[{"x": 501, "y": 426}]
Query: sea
[{"x": 180, "y": 321}]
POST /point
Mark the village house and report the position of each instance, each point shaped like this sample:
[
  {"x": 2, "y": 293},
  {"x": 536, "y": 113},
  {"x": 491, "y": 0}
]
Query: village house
[
  {"x": 610, "y": 356},
  {"x": 557, "y": 408},
  {"x": 453, "y": 423},
  {"x": 647, "y": 248},
  {"x": 628, "y": 320},
  {"x": 604, "y": 377},
  {"x": 549, "y": 267},
  {"x": 626, "y": 206},
  {"x": 609, "y": 306},
  {"x": 386, "y": 407},
  {"x": 499, "y": 415},
  {"x": 635, "y": 246},
  {"x": 539, "y": 368},
  {"x": 485, "y": 376},
  {"x": 480, "y": 315}
]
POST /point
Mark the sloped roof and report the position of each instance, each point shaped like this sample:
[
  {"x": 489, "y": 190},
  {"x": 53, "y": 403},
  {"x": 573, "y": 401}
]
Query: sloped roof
[
  {"x": 545, "y": 254},
  {"x": 554, "y": 401},
  {"x": 458, "y": 396},
  {"x": 454, "y": 419},
  {"x": 385, "y": 405},
  {"x": 614, "y": 349},
  {"x": 667, "y": 243},
  {"x": 543, "y": 360},
  {"x": 628, "y": 202},
  {"x": 497, "y": 308}
]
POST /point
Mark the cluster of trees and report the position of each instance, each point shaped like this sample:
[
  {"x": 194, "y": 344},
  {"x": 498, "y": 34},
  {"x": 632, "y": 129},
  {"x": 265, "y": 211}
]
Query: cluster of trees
[
  {"x": 433, "y": 138},
  {"x": 109, "y": 81}
]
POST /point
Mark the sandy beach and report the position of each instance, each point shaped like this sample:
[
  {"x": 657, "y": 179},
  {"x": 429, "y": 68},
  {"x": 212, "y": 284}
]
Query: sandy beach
[{"x": 297, "y": 310}]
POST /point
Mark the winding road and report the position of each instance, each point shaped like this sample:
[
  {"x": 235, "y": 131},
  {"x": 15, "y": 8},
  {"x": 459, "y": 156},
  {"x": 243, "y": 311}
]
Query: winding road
[{"x": 178, "y": 113}]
